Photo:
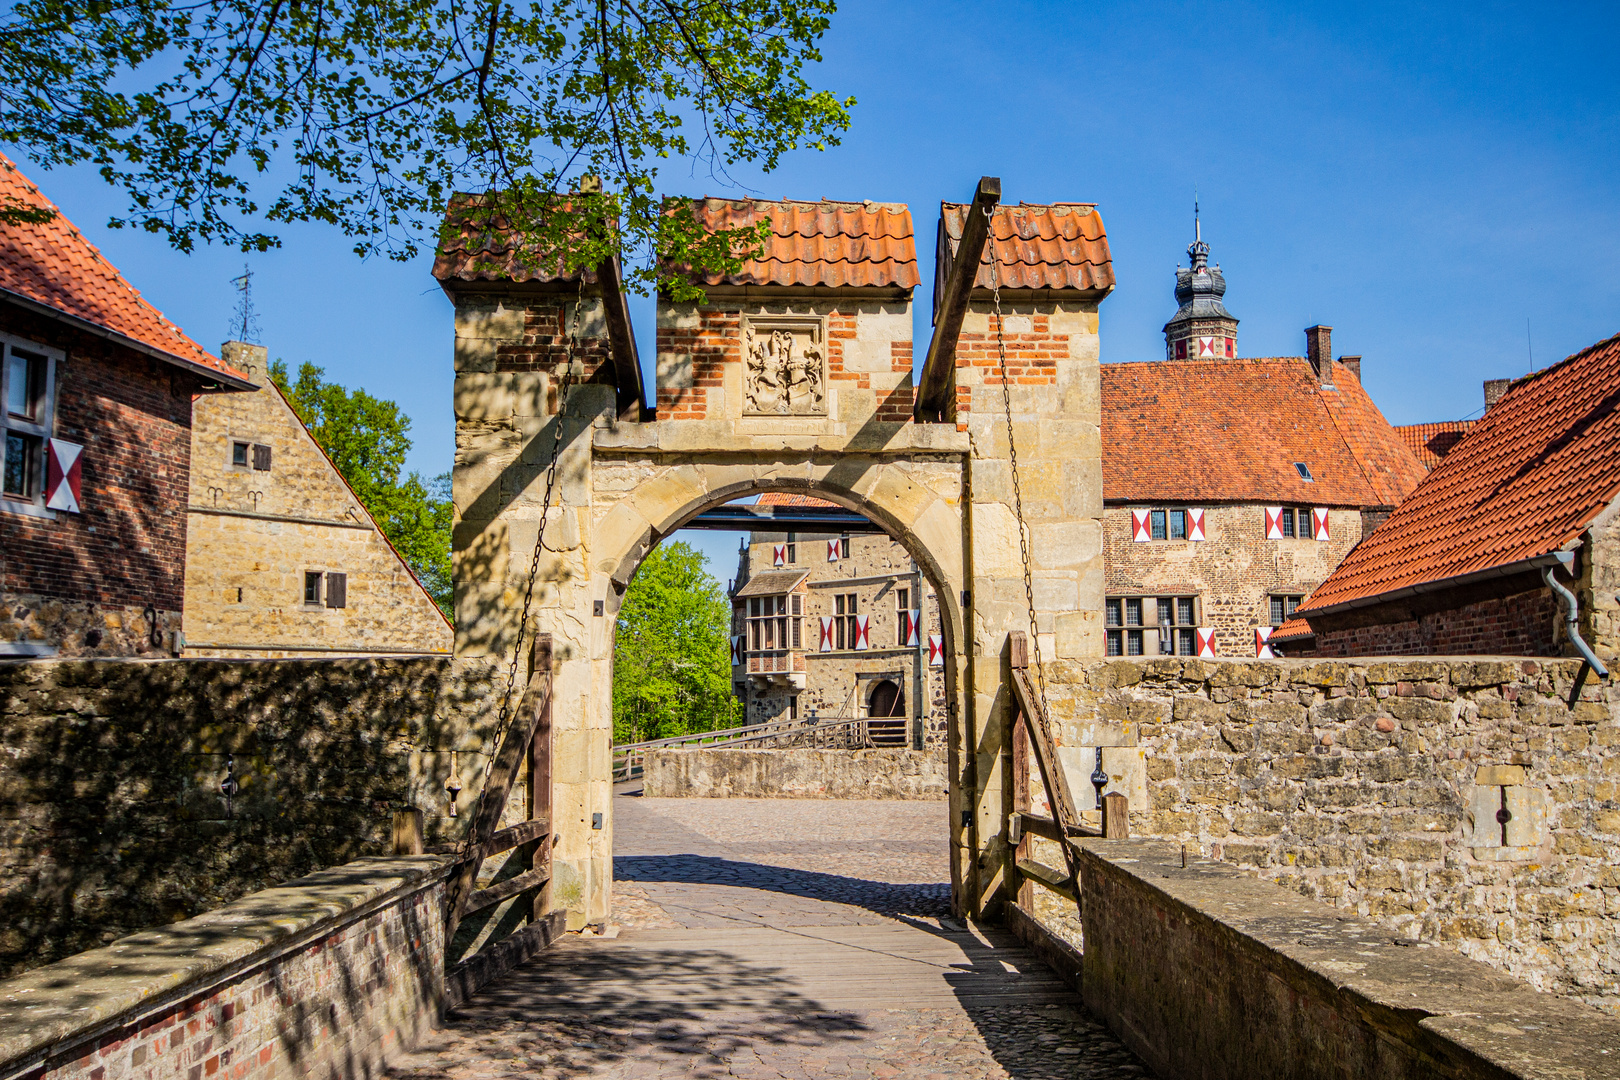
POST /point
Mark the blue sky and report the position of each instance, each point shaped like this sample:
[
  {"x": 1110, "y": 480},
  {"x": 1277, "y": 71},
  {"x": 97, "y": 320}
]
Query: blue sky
[{"x": 1423, "y": 178}]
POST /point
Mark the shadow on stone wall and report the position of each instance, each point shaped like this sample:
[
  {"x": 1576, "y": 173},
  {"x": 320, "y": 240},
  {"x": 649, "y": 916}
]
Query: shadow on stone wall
[{"x": 111, "y": 817}]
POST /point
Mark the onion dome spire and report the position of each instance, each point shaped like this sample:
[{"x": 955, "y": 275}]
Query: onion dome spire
[{"x": 1202, "y": 328}]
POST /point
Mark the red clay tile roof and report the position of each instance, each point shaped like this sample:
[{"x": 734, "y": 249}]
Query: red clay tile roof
[
  {"x": 1231, "y": 430},
  {"x": 1060, "y": 246},
  {"x": 784, "y": 498},
  {"x": 1431, "y": 442},
  {"x": 54, "y": 266},
  {"x": 1292, "y": 630},
  {"x": 858, "y": 245},
  {"x": 1530, "y": 476},
  {"x": 484, "y": 251}
]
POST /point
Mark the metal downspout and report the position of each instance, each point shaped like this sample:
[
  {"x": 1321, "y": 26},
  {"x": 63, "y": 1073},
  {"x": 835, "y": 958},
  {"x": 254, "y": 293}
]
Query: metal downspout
[{"x": 1572, "y": 616}]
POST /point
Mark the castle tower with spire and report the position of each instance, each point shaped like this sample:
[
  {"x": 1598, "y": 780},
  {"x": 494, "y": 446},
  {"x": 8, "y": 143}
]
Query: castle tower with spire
[{"x": 1202, "y": 328}]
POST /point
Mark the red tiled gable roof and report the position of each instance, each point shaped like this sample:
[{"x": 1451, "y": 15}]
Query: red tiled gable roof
[
  {"x": 1292, "y": 630},
  {"x": 1530, "y": 476},
  {"x": 1431, "y": 442},
  {"x": 1061, "y": 246},
  {"x": 1231, "y": 430},
  {"x": 54, "y": 266},
  {"x": 484, "y": 251},
  {"x": 828, "y": 244},
  {"x": 784, "y": 498}
]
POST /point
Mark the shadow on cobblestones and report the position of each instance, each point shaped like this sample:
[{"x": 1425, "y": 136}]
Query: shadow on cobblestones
[{"x": 880, "y": 897}]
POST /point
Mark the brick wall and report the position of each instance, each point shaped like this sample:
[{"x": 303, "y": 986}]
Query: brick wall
[
  {"x": 80, "y": 577},
  {"x": 1234, "y": 570},
  {"x": 326, "y": 976},
  {"x": 111, "y": 818},
  {"x": 1522, "y": 623},
  {"x": 1374, "y": 785},
  {"x": 868, "y": 347}
]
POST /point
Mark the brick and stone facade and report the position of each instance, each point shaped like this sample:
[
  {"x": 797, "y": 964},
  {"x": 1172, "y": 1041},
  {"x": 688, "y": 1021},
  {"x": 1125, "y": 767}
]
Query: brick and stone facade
[
  {"x": 256, "y": 534},
  {"x": 110, "y": 579},
  {"x": 840, "y": 682}
]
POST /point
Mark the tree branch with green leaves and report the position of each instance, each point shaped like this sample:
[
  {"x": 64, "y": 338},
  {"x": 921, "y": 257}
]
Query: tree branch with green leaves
[{"x": 369, "y": 114}]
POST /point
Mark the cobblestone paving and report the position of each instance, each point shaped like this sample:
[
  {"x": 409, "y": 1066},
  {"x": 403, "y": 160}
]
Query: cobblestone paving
[{"x": 777, "y": 938}]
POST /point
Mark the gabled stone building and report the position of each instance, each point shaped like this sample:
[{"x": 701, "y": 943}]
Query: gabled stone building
[
  {"x": 282, "y": 557},
  {"x": 1232, "y": 487},
  {"x": 837, "y": 625}
]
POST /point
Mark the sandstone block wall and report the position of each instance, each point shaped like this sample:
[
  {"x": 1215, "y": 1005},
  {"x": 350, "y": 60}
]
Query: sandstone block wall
[
  {"x": 254, "y": 534},
  {"x": 1207, "y": 974},
  {"x": 73, "y": 581},
  {"x": 111, "y": 817},
  {"x": 325, "y": 976},
  {"x": 1375, "y": 785},
  {"x": 796, "y": 774},
  {"x": 1234, "y": 570}
]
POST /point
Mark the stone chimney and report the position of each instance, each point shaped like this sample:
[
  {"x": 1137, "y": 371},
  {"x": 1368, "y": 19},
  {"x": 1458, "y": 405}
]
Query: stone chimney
[
  {"x": 252, "y": 359},
  {"x": 1319, "y": 351},
  {"x": 1494, "y": 389},
  {"x": 1354, "y": 364}
]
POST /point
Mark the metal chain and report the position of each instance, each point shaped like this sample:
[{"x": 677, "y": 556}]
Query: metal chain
[
  {"x": 505, "y": 717},
  {"x": 1012, "y": 455}
]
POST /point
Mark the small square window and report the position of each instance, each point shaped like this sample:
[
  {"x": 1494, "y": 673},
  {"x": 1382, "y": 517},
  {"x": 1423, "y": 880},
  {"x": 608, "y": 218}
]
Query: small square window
[
  {"x": 1178, "y": 524},
  {"x": 1157, "y": 524},
  {"x": 312, "y": 586},
  {"x": 1167, "y": 611},
  {"x": 1116, "y": 643},
  {"x": 239, "y": 454},
  {"x": 1133, "y": 643},
  {"x": 1133, "y": 611},
  {"x": 1304, "y": 472},
  {"x": 1184, "y": 610},
  {"x": 1282, "y": 608},
  {"x": 1111, "y": 615}
]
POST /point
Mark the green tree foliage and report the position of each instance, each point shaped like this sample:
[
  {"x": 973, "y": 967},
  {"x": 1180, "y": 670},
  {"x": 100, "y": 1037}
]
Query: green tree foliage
[
  {"x": 672, "y": 652},
  {"x": 369, "y": 114},
  {"x": 367, "y": 439}
]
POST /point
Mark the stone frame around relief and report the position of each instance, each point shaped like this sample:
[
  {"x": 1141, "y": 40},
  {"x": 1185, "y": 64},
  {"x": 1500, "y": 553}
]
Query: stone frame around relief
[{"x": 784, "y": 365}]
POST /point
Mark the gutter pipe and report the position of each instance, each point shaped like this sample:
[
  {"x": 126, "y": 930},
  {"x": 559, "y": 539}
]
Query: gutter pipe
[{"x": 1572, "y": 615}]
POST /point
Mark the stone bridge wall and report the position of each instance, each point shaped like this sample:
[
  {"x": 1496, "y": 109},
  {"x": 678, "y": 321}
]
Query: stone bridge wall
[
  {"x": 797, "y": 773},
  {"x": 1375, "y": 785},
  {"x": 110, "y": 814},
  {"x": 321, "y": 977}
]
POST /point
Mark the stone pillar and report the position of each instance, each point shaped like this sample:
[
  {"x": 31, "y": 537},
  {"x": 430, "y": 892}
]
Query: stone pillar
[{"x": 1056, "y": 431}]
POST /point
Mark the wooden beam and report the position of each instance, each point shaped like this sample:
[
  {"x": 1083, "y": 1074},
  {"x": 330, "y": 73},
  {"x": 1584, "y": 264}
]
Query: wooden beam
[
  {"x": 626, "y": 362},
  {"x": 505, "y": 890},
  {"x": 936, "y": 389},
  {"x": 1047, "y": 829},
  {"x": 519, "y": 834},
  {"x": 1055, "y": 880}
]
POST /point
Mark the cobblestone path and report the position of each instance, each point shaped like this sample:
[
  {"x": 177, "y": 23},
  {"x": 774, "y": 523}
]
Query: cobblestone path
[{"x": 777, "y": 938}]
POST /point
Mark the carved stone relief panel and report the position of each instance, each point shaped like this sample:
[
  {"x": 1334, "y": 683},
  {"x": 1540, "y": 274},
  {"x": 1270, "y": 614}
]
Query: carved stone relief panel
[{"x": 785, "y": 365}]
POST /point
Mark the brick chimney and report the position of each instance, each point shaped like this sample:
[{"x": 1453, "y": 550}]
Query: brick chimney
[
  {"x": 1354, "y": 364},
  {"x": 1494, "y": 389},
  {"x": 1319, "y": 351}
]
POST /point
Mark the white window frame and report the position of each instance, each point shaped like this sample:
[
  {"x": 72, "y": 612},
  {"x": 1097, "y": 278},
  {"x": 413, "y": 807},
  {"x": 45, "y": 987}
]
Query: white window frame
[{"x": 43, "y": 429}]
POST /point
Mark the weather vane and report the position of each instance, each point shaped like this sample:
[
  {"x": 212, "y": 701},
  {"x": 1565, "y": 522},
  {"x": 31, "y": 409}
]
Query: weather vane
[{"x": 245, "y": 321}]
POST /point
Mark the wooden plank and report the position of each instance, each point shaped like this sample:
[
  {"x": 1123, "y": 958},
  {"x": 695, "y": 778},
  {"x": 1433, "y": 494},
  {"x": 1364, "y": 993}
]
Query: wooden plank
[
  {"x": 1044, "y": 746},
  {"x": 505, "y": 890},
  {"x": 626, "y": 364},
  {"x": 407, "y": 832},
  {"x": 1115, "y": 811},
  {"x": 936, "y": 389},
  {"x": 1056, "y": 880},
  {"x": 492, "y": 800},
  {"x": 1044, "y": 827},
  {"x": 521, "y": 833}
]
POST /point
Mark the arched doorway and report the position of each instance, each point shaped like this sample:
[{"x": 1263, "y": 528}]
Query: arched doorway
[{"x": 886, "y": 719}]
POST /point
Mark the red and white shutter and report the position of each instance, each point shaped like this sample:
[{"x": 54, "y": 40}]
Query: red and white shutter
[
  {"x": 832, "y": 550},
  {"x": 1139, "y": 526},
  {"x": 826, "y": 633},
  {"x": 62, "y": 484},
  {"x": 1274, "y": 523},
  {"x": 912, "y": 620},
  {"x": 736, "y": 650},
  {"x": 779, "y": 555},
  {"x": 863, "y": 632},
  {"x": 936, "y": 650},
  {"x": 1195, "y": 523},
  {"x": 1206, "y": 347},
  {"x": 1206, "y": 643},
  {"x": 1319, "y": 519},
  {"x": 1262, "y": 643}
]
